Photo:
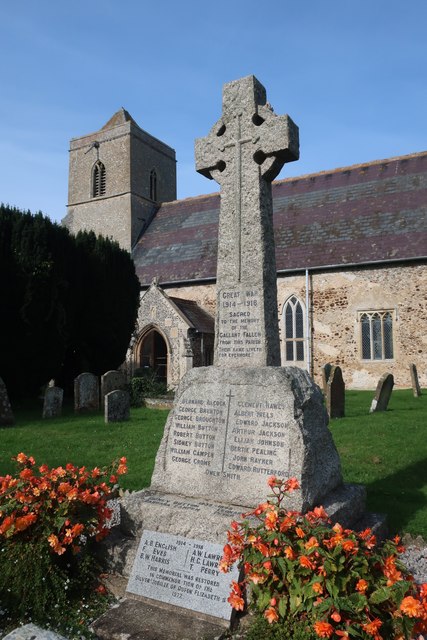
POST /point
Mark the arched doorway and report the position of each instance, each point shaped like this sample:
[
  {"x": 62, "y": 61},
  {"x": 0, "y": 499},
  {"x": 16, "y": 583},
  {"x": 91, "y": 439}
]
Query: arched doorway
[{"x": 153, "y": 354}]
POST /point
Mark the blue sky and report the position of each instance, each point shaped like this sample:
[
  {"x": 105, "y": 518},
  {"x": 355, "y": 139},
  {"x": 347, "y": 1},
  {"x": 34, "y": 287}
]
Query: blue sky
[{"x": 352, "y": 75}]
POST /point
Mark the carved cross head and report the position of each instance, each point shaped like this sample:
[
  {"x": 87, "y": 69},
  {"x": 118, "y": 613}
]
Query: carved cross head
[{"x": 248, "y": 126}]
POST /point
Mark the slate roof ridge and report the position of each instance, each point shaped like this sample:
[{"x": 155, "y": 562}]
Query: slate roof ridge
[
  {"x": 351, "y": 167},
  {"x": 304, "y": 176}
]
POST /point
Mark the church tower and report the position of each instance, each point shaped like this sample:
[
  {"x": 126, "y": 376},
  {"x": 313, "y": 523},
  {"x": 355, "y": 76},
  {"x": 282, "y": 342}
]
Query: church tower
[{"x": 117, "y": 178}]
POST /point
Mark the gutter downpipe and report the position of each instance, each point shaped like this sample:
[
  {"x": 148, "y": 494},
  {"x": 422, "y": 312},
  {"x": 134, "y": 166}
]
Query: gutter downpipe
[{"x": 307, "y": 322}]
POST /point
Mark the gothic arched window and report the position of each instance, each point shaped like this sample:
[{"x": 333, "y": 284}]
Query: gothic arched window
[
  {"x": 98, "y": 179},
  {"x": 293, "y": 317},
  {"x": 376, "y": 335},
  {"x": 153, "y": 185}
]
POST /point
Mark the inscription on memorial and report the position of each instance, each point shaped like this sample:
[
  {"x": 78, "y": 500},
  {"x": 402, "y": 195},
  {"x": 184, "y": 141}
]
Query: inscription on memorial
[
  {"x": 230, "y": 436},
  {"x": 240, "y": 328},
  {"x": 181, "y": 571}
]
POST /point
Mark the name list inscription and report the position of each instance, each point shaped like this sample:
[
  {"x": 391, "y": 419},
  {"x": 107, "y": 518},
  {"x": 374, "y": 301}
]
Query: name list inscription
[
  {"x": 231, "y": 436},
  {"x": 183, "y": 572},
  {"x": 240, "y": 327}
]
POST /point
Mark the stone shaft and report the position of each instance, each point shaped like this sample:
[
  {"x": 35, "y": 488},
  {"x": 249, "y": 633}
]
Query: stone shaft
[{"x": 244, "y": 152}]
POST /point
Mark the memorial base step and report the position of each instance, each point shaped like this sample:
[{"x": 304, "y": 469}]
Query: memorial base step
[{"x": 141, "y": 620}]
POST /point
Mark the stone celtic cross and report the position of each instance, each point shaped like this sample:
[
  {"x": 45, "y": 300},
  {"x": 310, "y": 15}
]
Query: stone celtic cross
[{"x": 244, "y": 152}]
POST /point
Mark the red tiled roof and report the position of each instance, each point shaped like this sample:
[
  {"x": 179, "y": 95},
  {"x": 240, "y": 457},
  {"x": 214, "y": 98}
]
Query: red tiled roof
[{"x": 374, "y": 212}]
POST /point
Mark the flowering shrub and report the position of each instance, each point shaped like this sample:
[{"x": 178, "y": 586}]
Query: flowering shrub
[
  {"x": 49, "y": 522},
  {"x": 332, "y": 581}
]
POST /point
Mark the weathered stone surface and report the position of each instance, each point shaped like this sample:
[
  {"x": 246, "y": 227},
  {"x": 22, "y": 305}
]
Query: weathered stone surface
[
  {"x": 382, "y": 393},
  {"x": 117, "y": 406},
  {"x": 326, "y": 372},
  {"x": 136, "y": 620},
  {"x": 111, "y": 381},
  {"x": 6, "y": 414},
  {"x": 52, "y": 405},
  {"x": 201, "y": 519},
  {"x": 335, "y": 393},
  {"x": 180, "y": 571},
  {"x": 414, "y": 381},
  {"x": 86, "y": 393},
  {"x": 230, "y": 430},
  {"x": 244, "y": 152},
  {"x": 32, "y": 632}
]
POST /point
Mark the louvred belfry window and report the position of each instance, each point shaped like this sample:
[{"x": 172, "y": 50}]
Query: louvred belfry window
[
  {"x": 98, "y": 179},
  {"x": 153, "y": 185},
  {"x": 376, "y": 335},
  {"x": 293, "y": 316}
]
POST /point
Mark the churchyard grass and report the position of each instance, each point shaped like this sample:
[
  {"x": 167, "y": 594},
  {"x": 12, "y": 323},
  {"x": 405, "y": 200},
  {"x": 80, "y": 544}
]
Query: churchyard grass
[
  {"x": 387, "y": 452},
  {"x": 86, "y": 440}
]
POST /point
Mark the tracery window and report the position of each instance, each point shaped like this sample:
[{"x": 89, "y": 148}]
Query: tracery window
[
  {"x": 293, "y": 316},
  {"x": 98, "y": 179},
  {"x": 376, "y": 335},
  {"x": 153, "y": 185}
]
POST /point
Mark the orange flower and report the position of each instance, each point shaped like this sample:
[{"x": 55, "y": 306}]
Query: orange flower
[
  {"x": 291, "y": 484},
  {"x": 411, "y": 607},
  {"x": 235, "y": 598},
  {"x": 317, "y": 587},
  {"x": 7, "y": 523},
  {"x": 271, "y": 520},
  {"x": 350, "y": 546},
  {"x": 306, "y": 562},
  {"x": 372, "y": 627},
  {"x": 300, "y": 533},
  {"x": 26, "y": 474},
  {"x": 323, "y": 629},
  {"x": 55, "y": 544},
  {"x": 336, "y": 616},
  {"x": 257, "y": 578},
  {"x": 361, "y": 585},
  {"x": 290, "y": 553},
  {"x": 271, "y": 615},
  {"x": 271, "y": 481},
  {"x": 24, "y": 522},
  {"x": 21, "y": 458},
  {"x": 121, "y": 469},
  {"x": 311, "y": 543}
]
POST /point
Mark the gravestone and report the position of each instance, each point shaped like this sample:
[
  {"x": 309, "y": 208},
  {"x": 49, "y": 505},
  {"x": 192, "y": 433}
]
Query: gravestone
[
  {"x": 414, "y": 381},
  {"x": 326, "y": 372},
  {"x": 117, "y": 406},
  {"x": 335, "y": 393},
  {"x": 382, "y": 393},
  {"x": 6, "y": 414},
  {"x": 244, "y": 419},
  {"x": 111, "y": 381},
  {"x": 52, "y": 405},
  {"x": 86, "y": 393}
]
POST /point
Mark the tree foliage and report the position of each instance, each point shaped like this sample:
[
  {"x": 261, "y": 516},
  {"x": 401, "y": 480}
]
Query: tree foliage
[{"x": 69, "y": 303}]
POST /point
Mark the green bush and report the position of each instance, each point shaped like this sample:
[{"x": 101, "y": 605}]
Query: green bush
[
  {"x": 145, "y": 384},
  {"x": 50, "y": 523}
]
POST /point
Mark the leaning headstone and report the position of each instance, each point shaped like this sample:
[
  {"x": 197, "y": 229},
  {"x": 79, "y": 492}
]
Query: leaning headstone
[
  {"x": 326, "y": 372},
  {"x": 117, "y": 406},
  {"x": 414, "y": 381},
  {"x": 86, "y": 393},
  {"x": 6, "y": 414},
  {"x": 110, "y": 381},
  {"x": 382, "y": 393},
  {"x": 335, "y": 393},
  {"x": 245, "y": 418},
  {"x": 52, "y": 406}
]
